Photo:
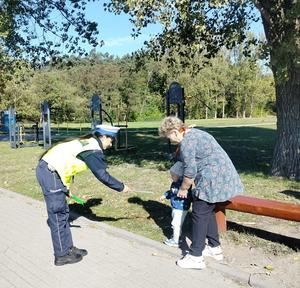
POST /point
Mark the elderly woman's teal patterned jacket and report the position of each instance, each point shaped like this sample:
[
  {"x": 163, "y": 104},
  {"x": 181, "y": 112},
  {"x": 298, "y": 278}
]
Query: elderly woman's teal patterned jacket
[{"x": 216, "y": 178}]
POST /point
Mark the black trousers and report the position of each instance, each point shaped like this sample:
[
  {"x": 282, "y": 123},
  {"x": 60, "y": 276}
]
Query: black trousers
[
  {"x": 204, "y": 226},
  {"x": 58, "y": 210}
]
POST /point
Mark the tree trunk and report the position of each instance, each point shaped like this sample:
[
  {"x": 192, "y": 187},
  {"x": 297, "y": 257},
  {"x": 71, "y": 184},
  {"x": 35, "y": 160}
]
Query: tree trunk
[
  {"x": 282, "y": 29},
  {"x": 223, "y": 108},
  {"x": 216, "y": 107},
  {"x": 251, "y": 105},
  {"x": 286, "y": 157},
  {"x": 244, "y": 107}
]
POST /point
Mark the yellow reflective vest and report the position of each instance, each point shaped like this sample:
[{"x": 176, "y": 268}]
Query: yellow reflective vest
[{"x": 62, "y": 158}]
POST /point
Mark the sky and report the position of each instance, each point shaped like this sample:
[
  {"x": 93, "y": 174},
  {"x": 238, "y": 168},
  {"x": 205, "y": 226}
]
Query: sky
[{"x": 115, "y": 31}]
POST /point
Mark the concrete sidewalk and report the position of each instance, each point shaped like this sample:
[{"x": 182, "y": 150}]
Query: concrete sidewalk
[{"x": 116, "y": 257}]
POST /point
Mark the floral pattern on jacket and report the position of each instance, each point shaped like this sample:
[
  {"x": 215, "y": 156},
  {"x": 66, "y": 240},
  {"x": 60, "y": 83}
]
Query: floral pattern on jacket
[{"x": 204, "y": 160}]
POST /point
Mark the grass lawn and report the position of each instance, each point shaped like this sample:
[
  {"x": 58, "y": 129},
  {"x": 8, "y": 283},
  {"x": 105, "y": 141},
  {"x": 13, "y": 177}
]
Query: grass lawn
[{"x": 146, "y": 168}]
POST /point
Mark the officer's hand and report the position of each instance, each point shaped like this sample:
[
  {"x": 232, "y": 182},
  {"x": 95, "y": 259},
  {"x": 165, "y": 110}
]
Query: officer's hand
[
  {"x": 126, "y": 189},
  {"x": 182, "y": 193},
  {"x": 162, "y": 198}
]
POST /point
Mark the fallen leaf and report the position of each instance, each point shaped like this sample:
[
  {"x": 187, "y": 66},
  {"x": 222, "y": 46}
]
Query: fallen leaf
[{"x": 269, "y": 267}]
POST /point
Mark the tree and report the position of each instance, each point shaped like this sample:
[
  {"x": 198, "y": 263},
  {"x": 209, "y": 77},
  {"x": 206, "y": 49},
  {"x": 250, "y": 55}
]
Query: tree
[
  {"x": 194, "y": 27},
  {"x": 39, "y": 31}
]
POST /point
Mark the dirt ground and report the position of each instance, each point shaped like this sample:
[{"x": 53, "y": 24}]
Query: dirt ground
[
  {"x": 272, "y": 261},
  {"x": 268, "y": 251},
  {"x": 283, "y": 270}
]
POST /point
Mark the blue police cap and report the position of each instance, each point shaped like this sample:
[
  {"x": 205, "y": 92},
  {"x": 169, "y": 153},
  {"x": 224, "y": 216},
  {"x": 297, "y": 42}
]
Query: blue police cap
[{"x": 107, "y": 130}]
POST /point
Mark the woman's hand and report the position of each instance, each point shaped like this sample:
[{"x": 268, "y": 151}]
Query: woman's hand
[
  {"x": 126, "y": 189},
  {"x": 182, "y": 193}
]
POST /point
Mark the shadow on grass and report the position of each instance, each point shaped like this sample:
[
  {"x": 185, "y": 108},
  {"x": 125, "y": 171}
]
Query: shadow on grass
[
  {"x": 77, "y": 210},
  {"x": 250, "y": 148},
  {"x": 159, "y": 212},
  {"x": 293, "y": 243},
  {"x": 292, "y": 193}
]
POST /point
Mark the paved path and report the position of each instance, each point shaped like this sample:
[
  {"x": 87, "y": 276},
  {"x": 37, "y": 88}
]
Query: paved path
[{"x": 116, "y": 258}]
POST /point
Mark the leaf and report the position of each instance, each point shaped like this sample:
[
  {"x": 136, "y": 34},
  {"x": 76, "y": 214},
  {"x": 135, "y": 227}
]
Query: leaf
[{"x": 269, "y": 267}]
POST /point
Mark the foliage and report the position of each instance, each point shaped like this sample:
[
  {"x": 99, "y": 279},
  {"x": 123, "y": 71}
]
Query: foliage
[
  {"x": 190, "y": 28},
  {"x": 139, "y": 95},
  {"x": 40, "y": 31},
  {"x": 202, "y": 28},
  {"x": 40, "y": 28}
]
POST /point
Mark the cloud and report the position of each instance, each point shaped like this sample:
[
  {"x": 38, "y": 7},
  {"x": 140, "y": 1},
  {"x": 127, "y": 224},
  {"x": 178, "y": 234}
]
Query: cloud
[
  {"x": 122, "y": 41},
  {"x": 112, "y": 42}
]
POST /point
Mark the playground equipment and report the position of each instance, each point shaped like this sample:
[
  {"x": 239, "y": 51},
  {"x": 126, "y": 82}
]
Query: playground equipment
[
  {"x": 13, "y": 128},
  {"x": 46, "y": 124},
  {"x": 22, "y": 136},
  {"x": 19, "y": 135},
  {"x": 4, "y": 120},
  {"x": 97, "y": 118},
  {"x": 97, "y": 110},
  {"x": 175, "y": 96},
  {"x": 175, "y": 105}
]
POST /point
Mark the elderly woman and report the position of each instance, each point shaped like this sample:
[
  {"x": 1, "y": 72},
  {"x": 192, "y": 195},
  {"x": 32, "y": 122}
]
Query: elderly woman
[{"x": 206, "y": 164}]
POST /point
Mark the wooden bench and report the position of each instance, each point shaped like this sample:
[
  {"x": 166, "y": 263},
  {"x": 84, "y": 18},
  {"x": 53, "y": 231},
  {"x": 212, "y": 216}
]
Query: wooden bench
[{"x": 256, "y": 206}]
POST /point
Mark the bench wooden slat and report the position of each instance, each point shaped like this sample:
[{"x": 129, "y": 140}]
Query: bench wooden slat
[
  {"x": 265, "y": 207},
  {"x": 257, "y": 206}
]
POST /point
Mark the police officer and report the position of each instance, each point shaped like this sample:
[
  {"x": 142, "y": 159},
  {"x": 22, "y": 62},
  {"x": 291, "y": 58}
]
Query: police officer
[{"x": 55, "y": 170}]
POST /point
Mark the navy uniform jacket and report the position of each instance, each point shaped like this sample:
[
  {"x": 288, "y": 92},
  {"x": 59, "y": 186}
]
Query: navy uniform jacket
[{"x": 95, "y": 160}]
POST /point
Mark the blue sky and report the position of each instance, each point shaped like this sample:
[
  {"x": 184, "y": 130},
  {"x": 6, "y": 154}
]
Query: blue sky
[{"x": 116, "y": 30}]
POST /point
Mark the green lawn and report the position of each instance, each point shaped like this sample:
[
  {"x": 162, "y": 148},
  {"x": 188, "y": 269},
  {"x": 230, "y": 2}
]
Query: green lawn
[{"x": 146, "y": 168}]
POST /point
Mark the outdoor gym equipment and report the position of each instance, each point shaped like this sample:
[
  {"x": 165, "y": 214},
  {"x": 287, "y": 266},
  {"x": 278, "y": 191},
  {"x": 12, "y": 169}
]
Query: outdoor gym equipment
[
  {"x": 97, "y": 110},
  {"x": 18, "y": 133},
  {"x": 5, "y": 115},
  {"x": 175, "y": 103},
  {"x": 12, "y": 128},
  {"x": 46, "y": 124},
  {"x": 20, "y": 136},
  {"x": 97, "y": 119},
  {"x": 175, "y": 96}
]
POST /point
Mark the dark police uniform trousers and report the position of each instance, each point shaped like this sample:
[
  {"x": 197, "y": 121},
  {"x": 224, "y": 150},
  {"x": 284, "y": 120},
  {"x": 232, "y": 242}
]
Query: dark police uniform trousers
[{"x": 58, "y": 210}]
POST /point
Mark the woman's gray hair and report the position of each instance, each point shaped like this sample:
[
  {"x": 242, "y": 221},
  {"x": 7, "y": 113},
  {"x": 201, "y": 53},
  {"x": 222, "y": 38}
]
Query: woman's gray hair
[{"x": 168, "y": 124}]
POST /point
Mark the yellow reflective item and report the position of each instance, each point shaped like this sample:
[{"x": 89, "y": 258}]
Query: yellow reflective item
[{"x": 62, "y": 158}]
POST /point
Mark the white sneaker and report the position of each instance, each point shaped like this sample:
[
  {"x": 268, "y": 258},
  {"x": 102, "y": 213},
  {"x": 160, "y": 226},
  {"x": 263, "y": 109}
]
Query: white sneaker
[
  {"x": 191, "y": 262},
  {"x": 171, "y": 242},
  {"x": 214, "y": 252}
]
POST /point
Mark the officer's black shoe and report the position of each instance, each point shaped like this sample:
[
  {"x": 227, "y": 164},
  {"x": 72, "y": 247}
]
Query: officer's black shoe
[
  {"x": 70, "y": 258},
  {"x": 81, "y": 252}
]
